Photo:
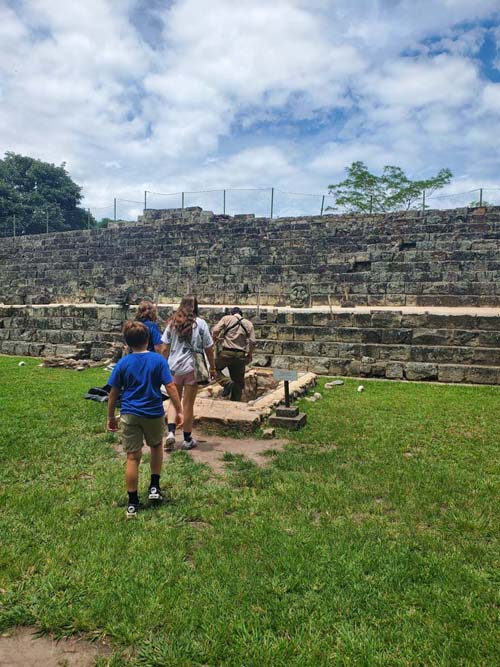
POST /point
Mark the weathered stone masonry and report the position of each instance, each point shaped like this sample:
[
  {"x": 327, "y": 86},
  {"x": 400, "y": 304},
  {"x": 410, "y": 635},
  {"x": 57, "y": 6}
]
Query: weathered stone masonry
[
  {"x": 437, "y": 259},
  {"x": 440, "y": 258},
  {"x": 389, "y": 343}
]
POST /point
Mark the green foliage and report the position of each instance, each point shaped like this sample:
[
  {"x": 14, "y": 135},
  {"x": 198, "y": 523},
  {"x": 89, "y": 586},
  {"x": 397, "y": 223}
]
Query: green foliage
[
  {"x": 33, "y": 192},
  {"x": 364, "y": 192},
  {"x": 103, "y": 223},
  {"x": 476, "y": 203}
]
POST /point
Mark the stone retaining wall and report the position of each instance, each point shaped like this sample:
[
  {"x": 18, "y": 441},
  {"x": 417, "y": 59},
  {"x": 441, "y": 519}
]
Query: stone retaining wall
[
  {"x": 435, "y": 258},
  {"x": 447, "y": 347}
]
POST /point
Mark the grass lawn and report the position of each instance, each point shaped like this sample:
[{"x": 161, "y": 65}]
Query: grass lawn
[{"x": 371, "y": 540}]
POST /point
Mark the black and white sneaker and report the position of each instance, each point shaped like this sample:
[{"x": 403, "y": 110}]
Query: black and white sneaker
[
  {"x": 189, "y": 444},
  {"x": 170, "y": 442},
  {"x": 155, "y": 494},
  {"x": 132, "y": 511}
]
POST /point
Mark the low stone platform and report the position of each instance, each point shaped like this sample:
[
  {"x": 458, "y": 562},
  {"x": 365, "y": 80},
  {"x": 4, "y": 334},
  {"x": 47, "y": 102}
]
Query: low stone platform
[{"x": 246, "y": 416}]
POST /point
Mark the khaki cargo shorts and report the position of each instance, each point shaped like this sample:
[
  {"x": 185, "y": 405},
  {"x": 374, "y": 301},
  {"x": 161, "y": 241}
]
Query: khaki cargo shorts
[{"x": 137, "y": 429}]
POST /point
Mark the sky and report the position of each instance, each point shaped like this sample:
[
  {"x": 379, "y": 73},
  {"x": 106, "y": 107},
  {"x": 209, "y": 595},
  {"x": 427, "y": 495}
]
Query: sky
[{"x": 189, "y": 95}]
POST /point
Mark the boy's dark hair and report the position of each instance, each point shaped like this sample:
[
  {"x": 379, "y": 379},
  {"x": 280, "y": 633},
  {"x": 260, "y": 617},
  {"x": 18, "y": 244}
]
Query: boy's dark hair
[
  {"x": 236, "y": 311},
  {"x": 136, "y": 333}
]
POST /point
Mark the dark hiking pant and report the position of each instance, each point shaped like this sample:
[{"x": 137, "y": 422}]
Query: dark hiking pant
[{"x": 234, "y": 361}]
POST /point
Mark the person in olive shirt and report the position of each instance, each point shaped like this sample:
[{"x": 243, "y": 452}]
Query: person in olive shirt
[{"x": 236, "y": 337}]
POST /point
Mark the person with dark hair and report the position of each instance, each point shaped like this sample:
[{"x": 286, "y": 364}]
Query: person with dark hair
[
  {"x": 185, "y": 336},
  {"x": 148, "y": 315},
  {"x": 139, "y": 376},
  {"x": 237, "y": 338}
]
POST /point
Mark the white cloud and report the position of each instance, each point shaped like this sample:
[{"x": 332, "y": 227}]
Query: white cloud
[
  {"x": 285, "y": 93},
  {"x": 416, "y": 83},
  {"x": 491, "y": 98}
]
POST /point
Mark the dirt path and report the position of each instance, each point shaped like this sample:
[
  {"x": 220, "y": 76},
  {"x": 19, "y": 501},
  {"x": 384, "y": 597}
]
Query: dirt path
[
  {"x": 211, "y": 449},
  {"x": 20, "y": 648}
]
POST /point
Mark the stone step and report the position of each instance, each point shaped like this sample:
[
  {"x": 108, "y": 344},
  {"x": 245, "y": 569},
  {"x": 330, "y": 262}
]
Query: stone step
[
  {"x": 402, "y": 336},
  {"x": 436, "y": 353},
  {"x": 394, "y": 369}
]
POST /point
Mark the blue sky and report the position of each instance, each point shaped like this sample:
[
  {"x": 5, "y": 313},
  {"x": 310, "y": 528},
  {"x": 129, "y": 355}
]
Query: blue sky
[{"x": 192, "y": 95}]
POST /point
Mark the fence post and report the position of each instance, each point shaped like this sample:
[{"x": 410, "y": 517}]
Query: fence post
[
  {"x": 47, "y": 219},
  {"x": 145, "y": 199},
  {"x": 423, "y": 201},
  {"x": 114, "y": 209},
  {"x": 272, "y": 202},
  {"x": 480, "y": 196},
  {"x": 14, "y": 223},
  {"x": 322, "y": 204},
  {"x": 224, "y": 202},
  {"x": 182, "y": 201},
  {"x": 371, "y": 203},
  {"x": 88, "y": 218}
]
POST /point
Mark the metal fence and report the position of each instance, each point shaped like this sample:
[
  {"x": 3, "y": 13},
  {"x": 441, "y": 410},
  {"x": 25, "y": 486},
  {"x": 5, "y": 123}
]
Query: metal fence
[
  {"x": 277, "y": 203},
  {"x": 262, "y": 202}
]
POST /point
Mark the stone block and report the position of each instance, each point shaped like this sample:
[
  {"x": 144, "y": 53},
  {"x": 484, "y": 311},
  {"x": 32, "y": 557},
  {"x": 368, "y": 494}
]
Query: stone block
[
  {"x": 339, "y": 350},
  {"x": 378, "y": 369},
  {"x": 21, "y": 349},
  {"x": 281, "y": 361},
  {"x": 283, "y": 411},
  {"x": 386, "y": 319},
  {"x": 327, "y": 333},
  {"x": 487, "y": 322},
  {"x": 451, "y": 373},
  {"x": 338, "y": 366},
  {"x": 354, "y": 367},
  {"x": 394, "y": 371},
  {"x": 292, "y": 347},
  {"x": 372, "y": 336},
  {"x": 303, "y": 319},
  {"x": 431, "y": 337},
  {"x": 319, "y": 365},
  {"x": 285, "y": 333},
  {"x": 321, "y": 319},
  {"x": 314, "y": 349},
  {"x": 99, "y": 353},
  {"x": 265, "y": 347},
  {"x": 292, "y": 423},
  {"x": 482, "y": 375},
  {"x": 420, "y": 371},
  {"x": 487, "y": 338},
  {"x": 460, "y": 337},
  {"x": 361, "y": 320},
  {"x": 304, "y": 333}
]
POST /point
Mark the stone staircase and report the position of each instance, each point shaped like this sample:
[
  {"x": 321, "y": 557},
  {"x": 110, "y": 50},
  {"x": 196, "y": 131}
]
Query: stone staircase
[{"x": 445, "y": 345}]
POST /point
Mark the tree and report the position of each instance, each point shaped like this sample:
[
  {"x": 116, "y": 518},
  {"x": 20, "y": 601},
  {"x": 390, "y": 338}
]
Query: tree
[
  {"x": 391, "y": 191},
  {"x": 33, "y": 193},
  {"x": 476, "y": 203}
]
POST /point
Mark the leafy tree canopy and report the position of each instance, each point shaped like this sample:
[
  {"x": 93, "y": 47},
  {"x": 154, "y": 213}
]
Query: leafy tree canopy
[
  {"x": 32, "y": 192},
  {"x": 364, "y": 192}
]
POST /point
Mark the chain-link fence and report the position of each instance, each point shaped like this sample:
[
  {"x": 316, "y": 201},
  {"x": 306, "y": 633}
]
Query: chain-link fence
[{"x": 261, "y": 202}]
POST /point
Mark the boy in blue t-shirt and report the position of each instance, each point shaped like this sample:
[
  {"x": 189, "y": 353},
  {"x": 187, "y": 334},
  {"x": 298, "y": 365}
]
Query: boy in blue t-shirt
[{"x": 139, "y": 376}]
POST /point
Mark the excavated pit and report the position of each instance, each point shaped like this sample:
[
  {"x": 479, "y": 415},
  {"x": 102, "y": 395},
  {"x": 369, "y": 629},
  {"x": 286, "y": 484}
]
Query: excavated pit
[{"x": 262, "y": 393}]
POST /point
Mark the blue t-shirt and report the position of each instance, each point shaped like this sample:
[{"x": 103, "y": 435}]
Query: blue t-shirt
[
  {"x": 154, "y": 334},
  {"x": 140, "y": 375}
]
